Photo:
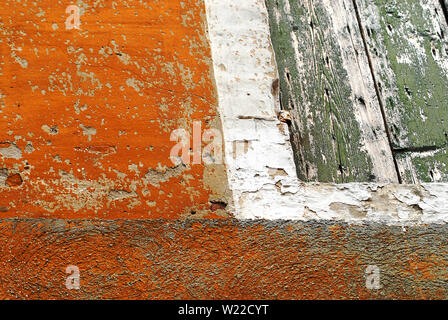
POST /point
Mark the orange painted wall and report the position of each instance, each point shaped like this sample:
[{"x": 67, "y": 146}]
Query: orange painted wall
[
  {"x": 92, "y": 110},
  {"x": 219, "y": 259}
]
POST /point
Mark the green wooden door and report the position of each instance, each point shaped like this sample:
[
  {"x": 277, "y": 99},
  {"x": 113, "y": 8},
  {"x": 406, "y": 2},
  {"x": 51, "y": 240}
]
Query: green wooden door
[{"x": 365, "y": 82}]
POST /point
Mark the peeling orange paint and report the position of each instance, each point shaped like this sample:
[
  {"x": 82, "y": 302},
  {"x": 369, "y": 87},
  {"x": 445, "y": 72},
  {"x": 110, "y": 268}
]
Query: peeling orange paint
[
  {"x": 88, "y": 112},
  {"x": 204, "y": 259}
]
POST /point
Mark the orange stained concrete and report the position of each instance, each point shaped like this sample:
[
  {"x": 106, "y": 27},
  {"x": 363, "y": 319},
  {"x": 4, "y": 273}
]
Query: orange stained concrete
[
  {"x": 219, "y": 259},
  {"x": 86, "y": 115}
]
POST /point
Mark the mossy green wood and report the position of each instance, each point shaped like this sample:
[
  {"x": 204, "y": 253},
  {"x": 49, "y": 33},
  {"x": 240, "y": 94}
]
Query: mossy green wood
[
  {"x": 407, "y": 41},
  {"x": 327, "y": 137}
]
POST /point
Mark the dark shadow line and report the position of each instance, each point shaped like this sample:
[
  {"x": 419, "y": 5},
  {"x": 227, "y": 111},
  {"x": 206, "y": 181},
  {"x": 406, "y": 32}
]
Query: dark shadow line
[{"x": 444, "y": 9}]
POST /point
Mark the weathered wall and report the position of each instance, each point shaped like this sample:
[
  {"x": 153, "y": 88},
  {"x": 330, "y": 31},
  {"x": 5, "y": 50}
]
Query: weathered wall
[
  {"x": 220, "y": 260},
  {"x": 87, "y": 113},
  {"x": 87, "y": 180}
]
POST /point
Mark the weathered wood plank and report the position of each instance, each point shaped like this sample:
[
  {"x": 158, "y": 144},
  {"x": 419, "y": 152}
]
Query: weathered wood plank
[
  {"x": 407, "y": 41},
  {"x": 338, "y": 133},
  {"x": 423, "y": 166}
]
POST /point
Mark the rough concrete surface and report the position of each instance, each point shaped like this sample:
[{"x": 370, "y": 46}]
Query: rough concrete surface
[{"x": 211, "y": 259}]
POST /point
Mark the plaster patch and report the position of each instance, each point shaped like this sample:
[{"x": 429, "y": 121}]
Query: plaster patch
[{"x": 12, "y": 152}]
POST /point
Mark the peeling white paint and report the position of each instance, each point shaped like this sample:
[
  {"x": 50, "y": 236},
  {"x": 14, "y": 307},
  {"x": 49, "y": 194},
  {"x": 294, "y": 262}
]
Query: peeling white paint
[
  {"x": 259, "y": 156},
  {"x": 245, "y": 71}
]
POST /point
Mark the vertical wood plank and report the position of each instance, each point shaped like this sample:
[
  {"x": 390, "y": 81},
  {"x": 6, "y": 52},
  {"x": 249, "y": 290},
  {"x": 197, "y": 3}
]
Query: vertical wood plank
[
  {"x": 407, "y": 41},
  {"x": 338, "y": 133}
]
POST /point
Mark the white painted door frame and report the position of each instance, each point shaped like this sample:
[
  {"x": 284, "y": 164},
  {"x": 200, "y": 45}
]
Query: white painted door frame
[{"x": 259, "y": 157}]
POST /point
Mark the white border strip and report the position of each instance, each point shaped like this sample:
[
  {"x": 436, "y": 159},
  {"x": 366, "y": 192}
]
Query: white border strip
[{"x": 259, "y": 156}]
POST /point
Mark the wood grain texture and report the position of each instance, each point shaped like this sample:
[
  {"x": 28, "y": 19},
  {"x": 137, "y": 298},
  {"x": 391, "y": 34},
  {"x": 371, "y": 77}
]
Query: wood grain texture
[
  {"x": 230, "y": 259},
  {"x": 338, "y": 133},
  {"x": 408, "y": 43}
]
